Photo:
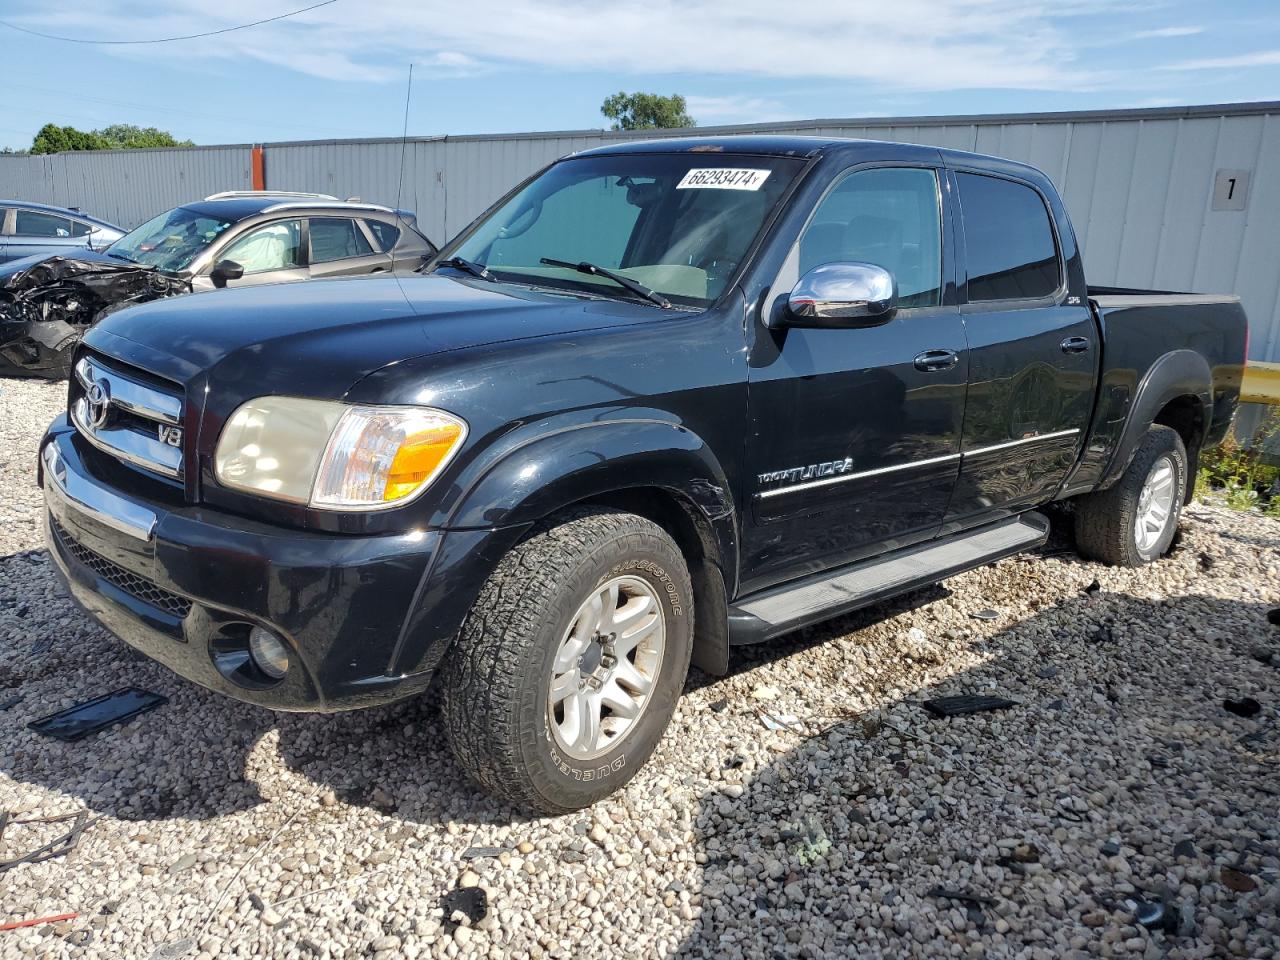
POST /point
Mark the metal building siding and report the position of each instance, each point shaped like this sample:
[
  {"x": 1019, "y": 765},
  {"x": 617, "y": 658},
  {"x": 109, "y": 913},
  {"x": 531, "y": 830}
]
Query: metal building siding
[{"x": 125, "y": 187}]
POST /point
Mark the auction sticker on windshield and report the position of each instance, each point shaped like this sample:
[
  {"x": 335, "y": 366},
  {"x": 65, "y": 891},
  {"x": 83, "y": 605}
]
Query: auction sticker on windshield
[{"x": 723, "y": 178}]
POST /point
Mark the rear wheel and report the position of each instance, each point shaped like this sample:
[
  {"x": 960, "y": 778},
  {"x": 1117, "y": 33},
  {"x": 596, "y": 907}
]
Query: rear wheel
[
  {"x": 1134, "y": 521},
  {"x": 568, "y": 668}
]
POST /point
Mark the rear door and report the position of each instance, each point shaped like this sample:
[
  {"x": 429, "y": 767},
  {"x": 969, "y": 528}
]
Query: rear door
[
  {"x": 1033, "y": 351},
  {"x": 341, "y": 246},
  {"x": 854, "y": 439}
]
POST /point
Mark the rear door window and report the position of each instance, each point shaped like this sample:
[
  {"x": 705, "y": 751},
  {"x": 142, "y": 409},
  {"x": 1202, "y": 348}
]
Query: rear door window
[
  {"x": 336, "y": 238},
  {"x": 34, "y": 223},
  {"x": 1008, "y": 239}
]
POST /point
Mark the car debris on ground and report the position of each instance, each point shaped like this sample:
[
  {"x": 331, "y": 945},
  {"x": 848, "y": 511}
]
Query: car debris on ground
[
  {"x": 84, "y": 719},
  {"x": 60, "y": 846},
  {"x": 959, "y": 706}
]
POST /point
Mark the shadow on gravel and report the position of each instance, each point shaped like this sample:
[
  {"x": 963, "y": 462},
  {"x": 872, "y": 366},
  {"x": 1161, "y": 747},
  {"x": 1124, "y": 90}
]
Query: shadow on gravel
[
  {"x": 838, "y": 846},
  {"x": 193, "y": 758}
]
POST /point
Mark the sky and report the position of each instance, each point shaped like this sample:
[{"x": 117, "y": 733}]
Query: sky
[{"x": 341, "y": 70}]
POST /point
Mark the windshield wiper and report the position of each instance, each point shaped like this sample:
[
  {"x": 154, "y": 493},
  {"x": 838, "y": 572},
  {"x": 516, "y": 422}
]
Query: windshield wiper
[
  {"x": 468, "y": 266},
  {"x": 119, "y": 256},
  {"x": 621, "y": 280}
]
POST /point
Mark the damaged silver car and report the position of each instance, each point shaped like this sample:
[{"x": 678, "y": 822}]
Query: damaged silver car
[{"x": 229, "y": 239}]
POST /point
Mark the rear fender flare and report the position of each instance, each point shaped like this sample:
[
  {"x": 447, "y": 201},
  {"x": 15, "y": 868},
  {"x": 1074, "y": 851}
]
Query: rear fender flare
[{"x": 1174, "y": 374}]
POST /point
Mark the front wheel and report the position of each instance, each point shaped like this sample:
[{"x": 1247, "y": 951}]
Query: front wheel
[
  {"x": 1134, "y": 521},
  {"x": 567, "y": 670}
]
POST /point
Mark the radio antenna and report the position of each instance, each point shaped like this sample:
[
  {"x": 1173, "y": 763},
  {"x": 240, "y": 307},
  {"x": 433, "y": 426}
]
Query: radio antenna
[{"x": 404, "y": 137}]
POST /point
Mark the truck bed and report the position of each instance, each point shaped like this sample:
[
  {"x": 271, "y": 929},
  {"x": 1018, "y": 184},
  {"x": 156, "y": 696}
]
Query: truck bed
[
  {"x": 1119, "y": 297},
  {"x": 1141, "y": 329}
]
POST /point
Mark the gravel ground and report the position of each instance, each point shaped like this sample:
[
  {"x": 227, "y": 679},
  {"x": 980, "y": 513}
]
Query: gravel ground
[{"x": 223, "y": 830}]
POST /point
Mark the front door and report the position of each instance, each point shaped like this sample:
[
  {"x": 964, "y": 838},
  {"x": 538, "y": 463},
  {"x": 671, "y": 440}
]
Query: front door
[
  {"x": 1033, "y": 354},
  {"x": 854, "y": 438},
  {"x": 269, "y": 253}
]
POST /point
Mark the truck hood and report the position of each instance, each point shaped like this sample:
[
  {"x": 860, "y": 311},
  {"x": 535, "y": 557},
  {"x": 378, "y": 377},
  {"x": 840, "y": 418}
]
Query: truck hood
[{"x": 321, "y": 337}]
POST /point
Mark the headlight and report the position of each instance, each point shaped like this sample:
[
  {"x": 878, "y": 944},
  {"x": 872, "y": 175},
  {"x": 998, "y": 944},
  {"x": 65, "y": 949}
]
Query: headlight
[{"x": 335, "y": 455}]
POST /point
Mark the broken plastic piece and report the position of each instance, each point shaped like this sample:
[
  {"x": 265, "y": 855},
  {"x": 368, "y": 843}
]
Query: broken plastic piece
[
  {"x": 783, "y": 721},
  {"x": 1244, "y": 707},
  {"x": 1147, "y": 913},
  {"x": 973, "y": 899},
  {"x": 480, "y": 853},
  {"x": 17, "y": 924},
  {"x": 958, "y": 706},
  {"x": 1237, "y": 881},
  {"x": 473, "y": 902},
  {"x": 93, "y": 715},
  {"x": 987, "y": 614}
]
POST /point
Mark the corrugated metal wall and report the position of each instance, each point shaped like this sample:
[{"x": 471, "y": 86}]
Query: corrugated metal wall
[
  {"x": 125, "y": 186},
  {"x": 1138, "y": 183}
]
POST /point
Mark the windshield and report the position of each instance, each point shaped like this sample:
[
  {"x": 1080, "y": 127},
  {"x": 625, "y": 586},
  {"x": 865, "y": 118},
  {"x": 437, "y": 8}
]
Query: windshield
[
  {"x": 171, "y": 240},
  {"x": 679, "y": 224}
]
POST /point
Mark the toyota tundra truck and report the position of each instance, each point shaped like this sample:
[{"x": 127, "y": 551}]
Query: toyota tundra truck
[{"x": 662, "y": 399}]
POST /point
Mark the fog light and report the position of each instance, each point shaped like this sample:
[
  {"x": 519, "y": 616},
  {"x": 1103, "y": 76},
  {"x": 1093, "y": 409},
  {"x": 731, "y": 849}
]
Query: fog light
[{"x": 269, "y": 653}]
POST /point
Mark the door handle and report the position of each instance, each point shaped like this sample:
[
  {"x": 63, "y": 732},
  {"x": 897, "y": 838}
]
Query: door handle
[
  {"x": 1075, "y": 345},
  {"x": 378, "y": 270},
  {"x": 933, "y": 361}
]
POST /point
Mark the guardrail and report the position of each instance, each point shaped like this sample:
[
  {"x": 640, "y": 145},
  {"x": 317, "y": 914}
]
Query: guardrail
[{"x": 1261, "y": 383}]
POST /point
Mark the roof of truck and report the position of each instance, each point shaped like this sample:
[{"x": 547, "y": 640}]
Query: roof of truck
[
  {"x": 781, "y": 145},
  {"x": 775, "y": 145}
]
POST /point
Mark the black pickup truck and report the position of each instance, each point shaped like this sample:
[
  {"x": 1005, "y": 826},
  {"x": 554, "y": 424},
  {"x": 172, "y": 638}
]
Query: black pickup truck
[{"x": 661, "y": 399}]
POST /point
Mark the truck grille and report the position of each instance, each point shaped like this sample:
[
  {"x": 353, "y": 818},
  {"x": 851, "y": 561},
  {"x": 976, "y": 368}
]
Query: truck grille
[
  {"x": 128, "y": 417},
  {"x": 128, "y": 581}
]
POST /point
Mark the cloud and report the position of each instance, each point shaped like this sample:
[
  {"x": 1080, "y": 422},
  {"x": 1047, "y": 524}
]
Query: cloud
[
  {"x": 1262, "y": 58},
  {"x": 1165, "y": 32},
  {"x": 905, "y": 45},
  {"x": 736, "y": 109}
]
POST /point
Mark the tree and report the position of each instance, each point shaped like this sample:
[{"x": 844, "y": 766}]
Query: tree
[
  {"x": 125, "y": 136},
  {"x": 52, "y": 138},
  {"x": 645, "y": 111}
]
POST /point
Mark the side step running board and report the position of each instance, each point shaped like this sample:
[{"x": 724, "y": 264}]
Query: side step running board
[{"x": 778, "y": 610}]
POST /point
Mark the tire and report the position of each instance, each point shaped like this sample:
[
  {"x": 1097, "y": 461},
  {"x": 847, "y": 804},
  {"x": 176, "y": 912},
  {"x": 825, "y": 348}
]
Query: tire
[
  {"x": 1106, "y": 523},
  {"x": 503, "y": 724}
]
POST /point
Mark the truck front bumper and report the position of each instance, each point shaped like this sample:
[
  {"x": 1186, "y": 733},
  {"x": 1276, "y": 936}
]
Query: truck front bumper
[{"x": 186, "y": 585}]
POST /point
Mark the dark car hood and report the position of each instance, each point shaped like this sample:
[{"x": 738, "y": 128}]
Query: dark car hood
[
  {"x": 321, "y": 337},
  {"x": 13, "y": 267}
]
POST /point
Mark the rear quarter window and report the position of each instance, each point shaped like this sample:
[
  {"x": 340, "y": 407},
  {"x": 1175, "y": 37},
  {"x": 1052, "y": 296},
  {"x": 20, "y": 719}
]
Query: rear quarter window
[
  {"x": 1009, "y": 246},
  {"x": 384, "y": 234}
]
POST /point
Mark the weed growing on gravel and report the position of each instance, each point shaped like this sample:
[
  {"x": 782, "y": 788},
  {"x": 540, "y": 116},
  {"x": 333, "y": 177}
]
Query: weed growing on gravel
[{"x": 1237, "y": 474}]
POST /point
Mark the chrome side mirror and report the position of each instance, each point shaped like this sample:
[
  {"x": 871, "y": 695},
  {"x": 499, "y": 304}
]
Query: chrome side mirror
[{"x": 843, "y": 295}]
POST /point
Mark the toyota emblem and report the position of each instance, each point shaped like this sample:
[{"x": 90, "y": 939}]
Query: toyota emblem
[{"x": 98, "y": 399}]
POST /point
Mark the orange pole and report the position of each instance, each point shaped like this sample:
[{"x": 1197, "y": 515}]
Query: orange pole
[{"x": 259, "y": 169}]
